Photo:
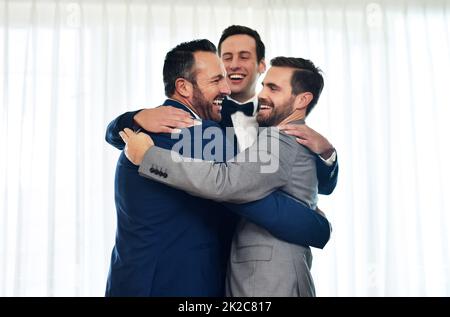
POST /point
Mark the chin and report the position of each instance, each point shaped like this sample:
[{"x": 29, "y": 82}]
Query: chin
[
  {"x": 239, "y": 88},
  {"x": 261, "y": 122},
  {"x": 216, "y": 117},
  {"x": 265, "y": 121},
  {"x": 235, "y": 89}
]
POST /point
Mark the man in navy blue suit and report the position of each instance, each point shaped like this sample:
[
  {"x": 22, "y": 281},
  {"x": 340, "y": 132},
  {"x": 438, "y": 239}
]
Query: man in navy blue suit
[{"x": 169, "y": 243}]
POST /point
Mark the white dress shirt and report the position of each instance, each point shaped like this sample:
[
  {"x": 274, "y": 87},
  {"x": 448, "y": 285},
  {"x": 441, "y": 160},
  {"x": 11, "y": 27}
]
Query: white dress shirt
[{"x": 245, "y": 127}]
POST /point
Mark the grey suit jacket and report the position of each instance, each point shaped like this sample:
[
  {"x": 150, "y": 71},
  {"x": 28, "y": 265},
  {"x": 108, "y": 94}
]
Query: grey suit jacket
[{"x": 260, "y": 264}]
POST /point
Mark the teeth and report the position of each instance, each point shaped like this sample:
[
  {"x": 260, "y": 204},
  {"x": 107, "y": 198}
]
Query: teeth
[
  {"x": 218, "y": 102},
  {"x": 264, "y": 107},
  {"x": 236, "y": 76}
]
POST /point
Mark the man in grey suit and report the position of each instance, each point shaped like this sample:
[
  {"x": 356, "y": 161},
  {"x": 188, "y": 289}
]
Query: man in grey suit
[{"x": 260, "y": 264}]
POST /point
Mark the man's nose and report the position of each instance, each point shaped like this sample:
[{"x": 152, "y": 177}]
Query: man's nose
[
  {"x": 234, "y": 65},
  {"x": 225, "y": 88},
  {"x": 262, "y": 94}
]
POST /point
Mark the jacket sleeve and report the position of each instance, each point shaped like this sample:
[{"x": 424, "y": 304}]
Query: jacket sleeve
[
  {"x": 327, "y": 176},
  {"x": 251, "y": 175},
  {"x": 123, "y": 121},
  {"x": 287, "y": 219}
]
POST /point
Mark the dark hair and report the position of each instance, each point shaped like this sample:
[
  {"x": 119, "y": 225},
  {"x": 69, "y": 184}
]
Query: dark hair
[
  {"x": 179, "y": 63},
  {"x": 239, "y": 29},
  {"x": 306, "y": 77}
]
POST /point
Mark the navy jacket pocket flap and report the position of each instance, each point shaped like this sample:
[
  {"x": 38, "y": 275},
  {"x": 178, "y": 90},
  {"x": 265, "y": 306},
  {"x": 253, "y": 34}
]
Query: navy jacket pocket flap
[{"x": 252, "y": 253}]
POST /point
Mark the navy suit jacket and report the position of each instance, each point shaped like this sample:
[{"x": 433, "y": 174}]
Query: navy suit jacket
[
  {"x": 168, "y": 243},
  {"x": 154, "y": 237}
]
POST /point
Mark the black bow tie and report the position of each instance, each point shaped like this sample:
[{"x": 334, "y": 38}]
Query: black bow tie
[{"x": 230, "y": 107}]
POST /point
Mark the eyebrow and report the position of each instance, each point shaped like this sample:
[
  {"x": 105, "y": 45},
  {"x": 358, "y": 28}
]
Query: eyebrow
[
  {"x": 270, "y": 85},
  {"x": 240, "y": 52},
  {"x": 219, "y": 76}
]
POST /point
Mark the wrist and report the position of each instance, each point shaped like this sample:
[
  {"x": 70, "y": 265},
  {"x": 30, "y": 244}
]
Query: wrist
[{"x": 327, "y": 153}]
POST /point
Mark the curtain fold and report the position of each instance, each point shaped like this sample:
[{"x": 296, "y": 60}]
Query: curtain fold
[{"x": 67, "y": 68}]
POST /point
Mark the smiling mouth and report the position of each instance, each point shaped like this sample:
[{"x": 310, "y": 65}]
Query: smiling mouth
[
  {"x": 218, "y": 102},
  {"x": 236, "y": 77},
  {"x": 264, "y": 107}
]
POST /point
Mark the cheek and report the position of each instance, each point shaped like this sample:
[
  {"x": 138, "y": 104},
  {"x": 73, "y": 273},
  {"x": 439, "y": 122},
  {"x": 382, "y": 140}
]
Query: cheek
[
  {"x": 277, "y": 102},
  {"x": 215, "y": 91},
  {"x": 252, "y": 69},
  {"x": 227, "y": 66},
  {"x": 212, "y": 93}
]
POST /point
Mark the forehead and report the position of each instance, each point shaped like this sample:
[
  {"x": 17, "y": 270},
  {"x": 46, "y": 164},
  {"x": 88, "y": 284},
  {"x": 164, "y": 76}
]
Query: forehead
[
  {"x": 237, "y": 43},
  {"x": 208, "y": 64},
  {"x": 279, "y": 75}
]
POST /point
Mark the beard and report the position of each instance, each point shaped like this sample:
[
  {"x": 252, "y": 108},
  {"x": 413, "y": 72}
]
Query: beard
[
  {"x": 203, "y": 106},
  {"x": 276, "y": 114}
]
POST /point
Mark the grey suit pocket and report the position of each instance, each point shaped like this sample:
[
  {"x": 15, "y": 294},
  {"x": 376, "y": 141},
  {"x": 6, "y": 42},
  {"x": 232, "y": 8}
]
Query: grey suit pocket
[{"x": 252, "y": 253}]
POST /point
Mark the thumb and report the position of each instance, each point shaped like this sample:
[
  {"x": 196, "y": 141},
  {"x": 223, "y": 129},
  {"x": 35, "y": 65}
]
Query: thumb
[{"x": 124, "y": 137}]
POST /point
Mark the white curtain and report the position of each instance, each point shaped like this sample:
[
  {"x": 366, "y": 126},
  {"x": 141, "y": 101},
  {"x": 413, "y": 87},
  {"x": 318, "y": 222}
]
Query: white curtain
[{"x": 69, "y": 67}]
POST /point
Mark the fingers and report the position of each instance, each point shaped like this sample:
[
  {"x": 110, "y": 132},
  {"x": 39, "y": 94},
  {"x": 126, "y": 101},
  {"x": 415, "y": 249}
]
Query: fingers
[
  {"x": 178, "y": 112},
  {"x": 169, "y": 130},
  {"x": 176, "y": 118},
  {"x": 286, "y": 126},
  {"x": 177, "y": 123},
  {"x": 128, "y": 132},
  {"x": 180, "y": 117},
  {"x": 186, "y": 119},
  {"x": 297, "y": 133},
  {"x": 303, "y": 142},
  {"x": 124, "y": 137},
  {"x": 299, "y": 130},
  {"x": 183, "y": 123}
]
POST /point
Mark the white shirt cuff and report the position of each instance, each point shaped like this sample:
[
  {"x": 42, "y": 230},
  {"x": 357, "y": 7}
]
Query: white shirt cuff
[{"x": 330, "y": 161}]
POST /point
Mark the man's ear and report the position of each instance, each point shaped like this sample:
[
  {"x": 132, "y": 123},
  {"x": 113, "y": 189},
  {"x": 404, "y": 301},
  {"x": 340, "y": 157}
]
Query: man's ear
[
  {"x": 302, "y": 100},
  {"x": 183, "y": 87},
  {"x": 262, "y": 66}
]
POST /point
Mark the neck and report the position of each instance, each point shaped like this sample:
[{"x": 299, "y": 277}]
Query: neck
[{"x": 296, "y": 115}]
